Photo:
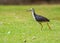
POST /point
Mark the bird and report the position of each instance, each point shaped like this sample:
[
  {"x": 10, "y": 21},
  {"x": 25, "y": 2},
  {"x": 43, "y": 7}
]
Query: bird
[{"x": 40, "y": 19}]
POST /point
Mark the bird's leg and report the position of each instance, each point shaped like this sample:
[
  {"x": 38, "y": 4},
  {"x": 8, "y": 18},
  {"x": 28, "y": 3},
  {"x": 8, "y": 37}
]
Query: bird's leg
[
  {"x": 41, "y": 25},
  {"x": 49, "y": 26}
]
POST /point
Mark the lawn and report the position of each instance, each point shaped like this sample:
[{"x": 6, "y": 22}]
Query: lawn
[{"x": 17, "y": 25}]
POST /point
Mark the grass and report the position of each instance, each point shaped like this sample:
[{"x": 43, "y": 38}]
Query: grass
[{"x": 17, "y": 25}]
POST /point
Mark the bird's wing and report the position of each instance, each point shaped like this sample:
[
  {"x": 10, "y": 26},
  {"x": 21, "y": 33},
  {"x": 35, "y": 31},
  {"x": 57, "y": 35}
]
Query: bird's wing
[{"x": 41, "y": 18}]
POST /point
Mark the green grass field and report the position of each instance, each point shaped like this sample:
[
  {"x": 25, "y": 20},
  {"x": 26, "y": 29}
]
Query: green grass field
[{"x": 17, "y": 25}]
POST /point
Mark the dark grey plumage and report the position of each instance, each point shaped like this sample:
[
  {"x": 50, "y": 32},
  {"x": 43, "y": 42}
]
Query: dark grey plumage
[{"x": 39, "y": 18}]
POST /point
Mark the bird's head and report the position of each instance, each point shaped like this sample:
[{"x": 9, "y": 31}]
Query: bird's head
[{"x": 31, "y": 9}]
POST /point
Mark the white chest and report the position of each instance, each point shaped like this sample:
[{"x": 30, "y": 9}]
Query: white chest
[{"x": 33, "y": 15}]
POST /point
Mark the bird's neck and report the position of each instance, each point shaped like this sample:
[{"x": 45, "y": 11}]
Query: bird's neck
[{"x": 33, "y": 14}]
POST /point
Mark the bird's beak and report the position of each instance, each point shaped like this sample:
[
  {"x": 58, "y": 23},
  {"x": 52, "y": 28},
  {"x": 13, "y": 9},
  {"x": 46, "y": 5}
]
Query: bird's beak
[{"x": 29, "y": 10}]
